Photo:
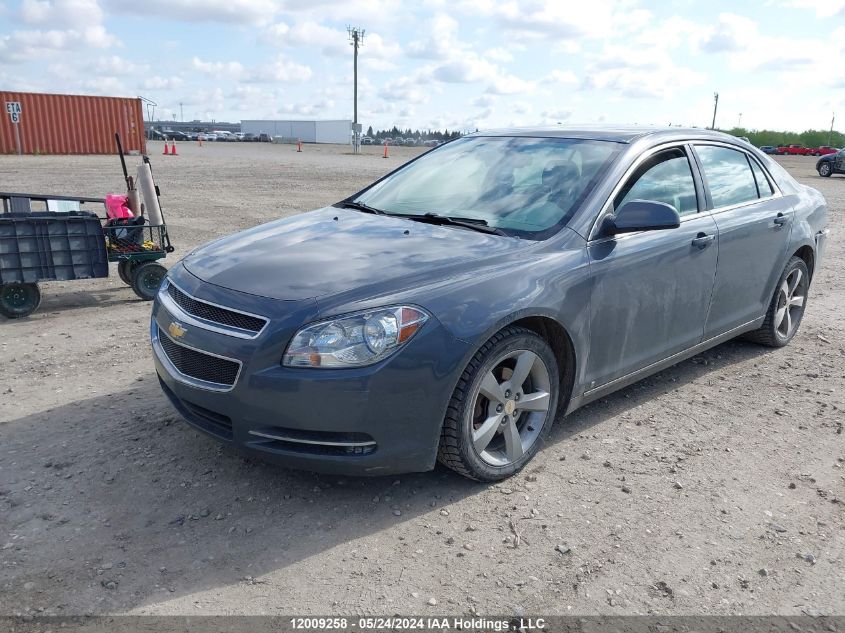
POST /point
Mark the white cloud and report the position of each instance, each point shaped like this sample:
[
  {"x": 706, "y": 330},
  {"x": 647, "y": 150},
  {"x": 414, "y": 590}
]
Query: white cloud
[
  {"x": 499, "y": 54},
  {"x": 22, "y": 46},
  {"x": 161, "y": 83},
  {"x": 231, "y": 70},
  {"x": 280, "y": 70},
  {"x": 227, "y": 11},
  {"x": 441, "y": 41},
  {"x": 67, "y": 14}
]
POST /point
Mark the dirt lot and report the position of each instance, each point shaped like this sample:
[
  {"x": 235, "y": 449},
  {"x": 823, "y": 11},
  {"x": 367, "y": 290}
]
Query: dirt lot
[{"x": 714, "y": 487}]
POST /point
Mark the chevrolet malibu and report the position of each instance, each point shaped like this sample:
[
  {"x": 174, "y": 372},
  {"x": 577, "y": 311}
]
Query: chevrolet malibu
[{"x": 452, "y": 310}]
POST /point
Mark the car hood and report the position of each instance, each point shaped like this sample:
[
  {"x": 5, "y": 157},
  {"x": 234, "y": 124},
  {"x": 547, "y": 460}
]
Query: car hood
[{"x": 333, "y": 250}]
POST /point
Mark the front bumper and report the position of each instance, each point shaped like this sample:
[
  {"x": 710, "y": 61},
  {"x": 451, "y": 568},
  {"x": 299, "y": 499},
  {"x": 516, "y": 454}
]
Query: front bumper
[{"x": 382, "y": 419}]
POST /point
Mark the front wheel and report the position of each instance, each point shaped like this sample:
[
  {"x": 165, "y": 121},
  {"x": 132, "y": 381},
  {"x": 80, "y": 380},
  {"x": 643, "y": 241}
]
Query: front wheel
[
  {"x": 146, "y": 279},
  {"x": 787, "y": 306},
  {"x": 502, "y": 408},
  {"x": 19, "y": 300},
  {"x": 825, "y": 170}
]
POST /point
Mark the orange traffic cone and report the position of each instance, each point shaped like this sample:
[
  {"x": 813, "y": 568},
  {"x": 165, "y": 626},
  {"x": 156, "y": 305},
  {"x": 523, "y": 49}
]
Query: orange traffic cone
[
  {"x": 166, "y": 151},
  {"x": 298, "y": 145},
  {"x": 385, "y": 151},
  {"x": 173, "y": 148}
]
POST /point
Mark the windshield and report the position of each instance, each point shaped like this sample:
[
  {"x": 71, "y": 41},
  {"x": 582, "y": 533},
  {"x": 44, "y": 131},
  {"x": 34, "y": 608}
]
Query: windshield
[{"x": 528, "y": 187}]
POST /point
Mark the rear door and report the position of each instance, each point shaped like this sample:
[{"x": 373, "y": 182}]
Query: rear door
[
  {"x": 651, "y": 289},
  {"x": 754, "y": 221},
  {"x": 839, "y": 163}
]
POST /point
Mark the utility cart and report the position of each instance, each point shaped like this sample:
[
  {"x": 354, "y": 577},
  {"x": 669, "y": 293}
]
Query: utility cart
[{"x": 62, "y": 238}]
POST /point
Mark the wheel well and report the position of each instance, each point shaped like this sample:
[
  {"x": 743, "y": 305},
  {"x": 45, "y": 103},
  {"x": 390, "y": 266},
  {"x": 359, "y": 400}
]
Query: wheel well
[
  {"x": 806, "y": 253},
  {"x": 559, "y": 340}
]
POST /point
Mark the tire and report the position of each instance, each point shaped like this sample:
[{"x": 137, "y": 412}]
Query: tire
[
  {"x": 19, "y": 300},
  {"x": 146, "y": 279},
  {"x": 781, "y": 325},
  {"x": 495, "y": 420},
  {"x": 124, "y": 271},
  {"x": 825, "y": 170}
]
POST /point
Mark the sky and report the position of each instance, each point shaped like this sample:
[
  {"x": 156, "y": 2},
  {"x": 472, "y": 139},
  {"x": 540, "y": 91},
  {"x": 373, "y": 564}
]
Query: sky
[{"x": 435, "y": 64}]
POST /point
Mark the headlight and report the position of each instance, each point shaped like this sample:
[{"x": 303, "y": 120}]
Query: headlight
[{"x": 355, "y": 340}]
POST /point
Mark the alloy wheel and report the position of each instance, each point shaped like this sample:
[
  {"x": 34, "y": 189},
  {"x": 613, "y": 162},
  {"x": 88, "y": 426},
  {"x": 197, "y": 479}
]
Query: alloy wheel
[
  {"x": 791, "y": 297},
  {"x": 510, "y": 407}
]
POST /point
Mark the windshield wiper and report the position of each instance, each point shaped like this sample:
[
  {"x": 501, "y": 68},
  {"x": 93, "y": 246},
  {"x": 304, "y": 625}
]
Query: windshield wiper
[
  {"x": 359, "y": 206},
  {"x": 476, "y": 224}
]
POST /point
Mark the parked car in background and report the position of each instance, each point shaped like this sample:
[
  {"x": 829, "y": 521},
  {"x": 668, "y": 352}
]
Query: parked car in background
[
  {"x": 476, "y": 294},
  {"x": 263, "y": 137},
  {"x": 366, "y": 140},
  {"x": 249, "y": 138},
  {"x": 795, "y": 149},
  {"x": 209, "y": 136},
  {"x": 830, "y": 164},
  {"x": 768, "y": 149},
  {"x": 239, "y": 136},
  {"x": 826, "y": 149}
]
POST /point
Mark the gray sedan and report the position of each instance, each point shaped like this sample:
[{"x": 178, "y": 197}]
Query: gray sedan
[{"x": 457, "y": 307}]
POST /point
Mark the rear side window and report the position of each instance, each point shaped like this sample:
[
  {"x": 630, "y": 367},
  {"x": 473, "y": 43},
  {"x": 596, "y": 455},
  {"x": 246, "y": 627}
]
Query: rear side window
[
  {"x": 728, "y": 175},
  {"x": 665, "y": 177},
  {"x": 764, "y": 187}
]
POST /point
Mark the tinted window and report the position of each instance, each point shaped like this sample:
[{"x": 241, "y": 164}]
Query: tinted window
[
  {"x": 764, "y": 187},
  {"x": 526, "y": 186},
  {"x": 665, "y": 177},
  {"x": 728, "y": 175}
]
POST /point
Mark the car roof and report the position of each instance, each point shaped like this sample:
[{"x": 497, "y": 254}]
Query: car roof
[{"x": 614, "y": 133}]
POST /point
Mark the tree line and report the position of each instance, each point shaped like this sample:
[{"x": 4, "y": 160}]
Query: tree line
[
  {"x": 808, "y": 138},
  {"x": 426, "y": 135}
]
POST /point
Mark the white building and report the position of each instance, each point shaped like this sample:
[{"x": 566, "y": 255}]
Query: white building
[{"x": 306, "y": 131}]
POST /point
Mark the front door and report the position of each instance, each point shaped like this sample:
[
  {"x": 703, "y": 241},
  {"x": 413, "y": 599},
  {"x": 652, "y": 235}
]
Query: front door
[
  {"x": 651, "y": 289},
  {"x": 839, "y": 164},
  {"x": 754, "y": 223}
]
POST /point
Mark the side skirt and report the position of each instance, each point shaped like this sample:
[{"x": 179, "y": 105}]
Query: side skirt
[{"x": 629, "y": 379}]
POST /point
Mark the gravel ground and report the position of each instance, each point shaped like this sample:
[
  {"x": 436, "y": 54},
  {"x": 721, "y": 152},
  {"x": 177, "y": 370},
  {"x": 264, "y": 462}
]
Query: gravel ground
[{"x": 713, "y": 487}]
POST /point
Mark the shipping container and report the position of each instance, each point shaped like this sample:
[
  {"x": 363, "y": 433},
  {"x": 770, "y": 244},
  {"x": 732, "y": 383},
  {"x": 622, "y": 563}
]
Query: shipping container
[{"x": 70, "y": 124}]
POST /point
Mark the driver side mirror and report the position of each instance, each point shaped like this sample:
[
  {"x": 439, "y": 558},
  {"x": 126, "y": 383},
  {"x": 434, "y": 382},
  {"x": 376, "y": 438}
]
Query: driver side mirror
[{"x": 641, "y": 215}]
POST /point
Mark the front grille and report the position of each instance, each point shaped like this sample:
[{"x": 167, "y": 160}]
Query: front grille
[
  {"x": 214, "y": 313},
  {"x": 198, "y": 365}
]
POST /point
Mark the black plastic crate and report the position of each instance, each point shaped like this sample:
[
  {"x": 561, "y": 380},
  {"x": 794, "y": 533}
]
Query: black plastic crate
[{"x": 51, "y": 247}]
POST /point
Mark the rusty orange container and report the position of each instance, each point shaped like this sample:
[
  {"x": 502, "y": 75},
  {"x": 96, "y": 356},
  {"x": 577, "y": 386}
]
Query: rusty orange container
[{"x": 70, "y": 124}]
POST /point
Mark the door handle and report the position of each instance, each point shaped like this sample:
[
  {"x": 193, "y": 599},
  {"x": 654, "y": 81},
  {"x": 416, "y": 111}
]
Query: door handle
[
  {"x": 702, "y": 240},
  {"x": 780, "y": 220}
]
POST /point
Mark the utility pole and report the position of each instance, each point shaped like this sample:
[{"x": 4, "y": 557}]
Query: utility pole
[
  {"x": 830, "y": 134},
  {"x": 739, "y": 121},
  {"x": 356, "y": 39},
  {"x": 715, "y": 107},
  {"x": 181, "y": 113}
]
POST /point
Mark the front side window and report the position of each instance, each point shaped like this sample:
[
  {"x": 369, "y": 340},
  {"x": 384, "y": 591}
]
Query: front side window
[
  {"x": 664, "y": 177},
  {"x": 528, "y": 187},
  {"x": 728, "y": 175}
]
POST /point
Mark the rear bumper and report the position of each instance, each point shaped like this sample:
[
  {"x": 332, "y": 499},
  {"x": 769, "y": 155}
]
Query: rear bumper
[{"x": 377, "y": 420}]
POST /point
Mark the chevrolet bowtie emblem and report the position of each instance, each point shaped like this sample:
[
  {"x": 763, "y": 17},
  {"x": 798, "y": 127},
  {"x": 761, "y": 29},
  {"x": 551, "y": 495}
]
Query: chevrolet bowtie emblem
[{"x": 176, "y": 330}]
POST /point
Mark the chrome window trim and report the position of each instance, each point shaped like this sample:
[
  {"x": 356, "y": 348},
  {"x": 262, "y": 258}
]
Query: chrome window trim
[
  {"x": 207, "y": 385},
  {"x": 180, "y": 314},
  {"x": 730, "y": 207},
  {"x": 592, "y": 238}
]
